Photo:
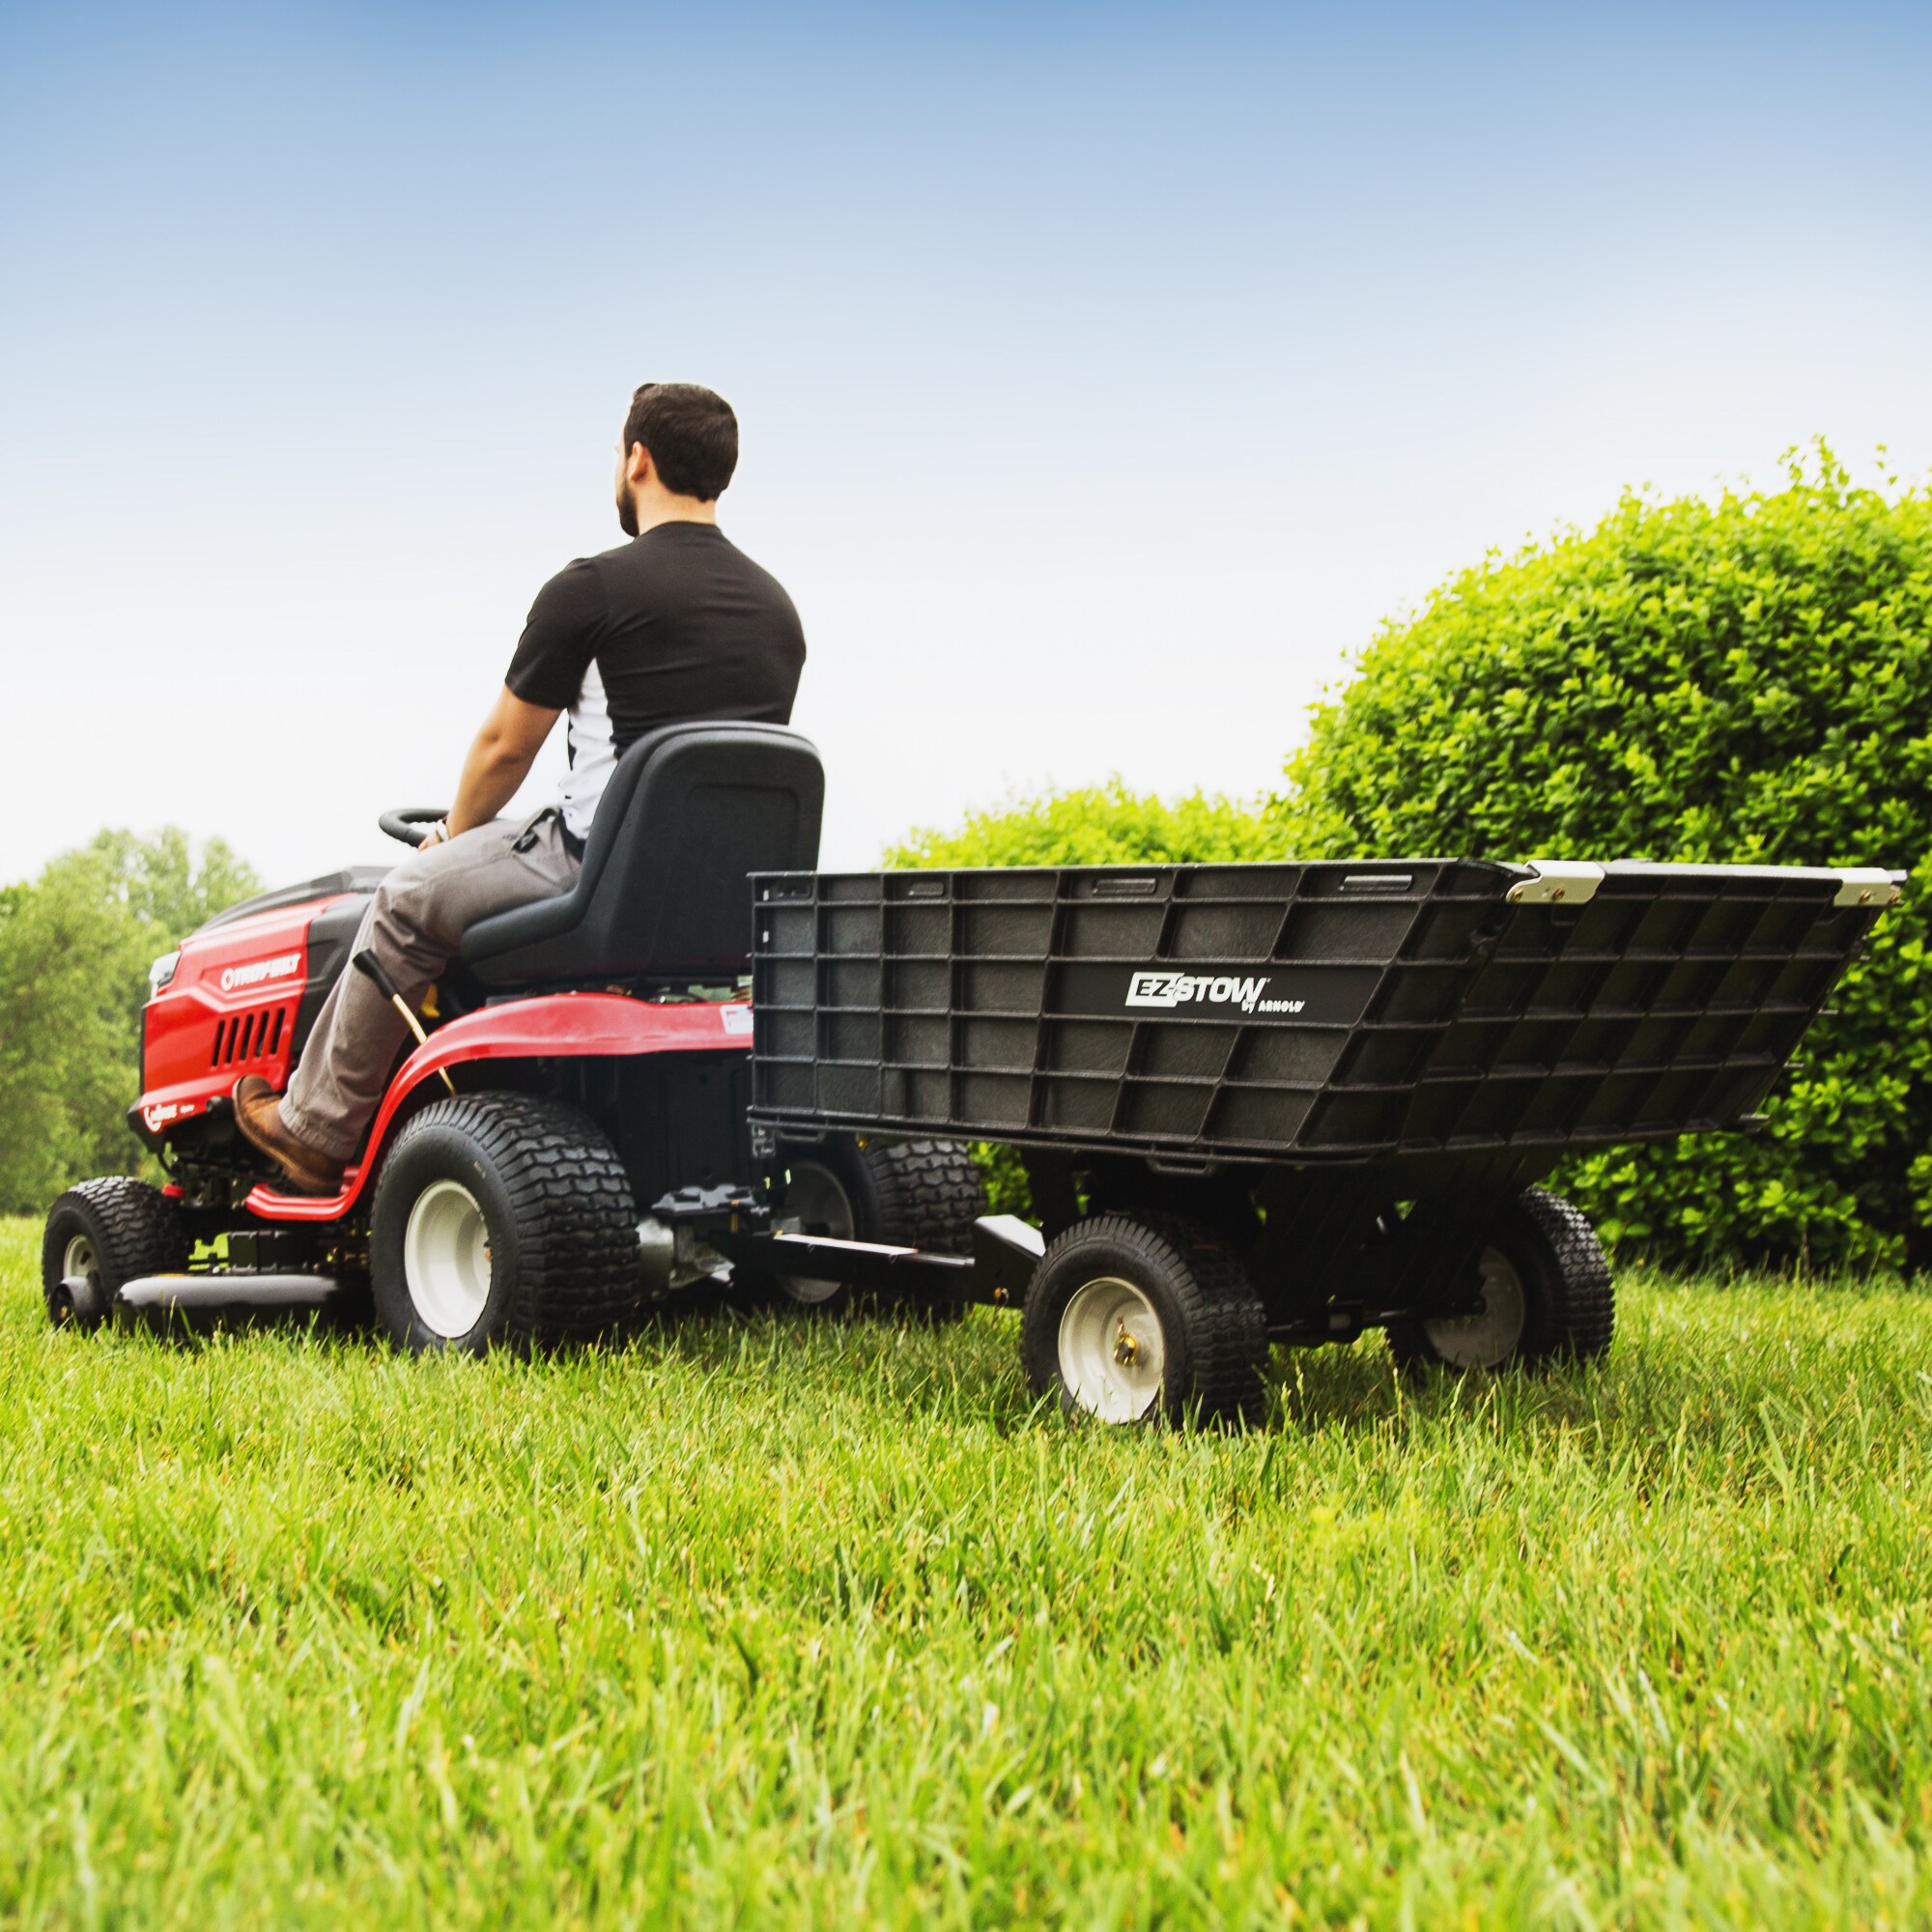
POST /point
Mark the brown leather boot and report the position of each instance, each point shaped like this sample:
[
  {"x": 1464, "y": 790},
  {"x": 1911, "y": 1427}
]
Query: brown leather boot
[{"x": 258, "y": 1113}]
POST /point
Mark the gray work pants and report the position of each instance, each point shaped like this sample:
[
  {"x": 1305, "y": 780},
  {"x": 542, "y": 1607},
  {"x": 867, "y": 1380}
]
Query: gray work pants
[{"x": 413, "y": 925}]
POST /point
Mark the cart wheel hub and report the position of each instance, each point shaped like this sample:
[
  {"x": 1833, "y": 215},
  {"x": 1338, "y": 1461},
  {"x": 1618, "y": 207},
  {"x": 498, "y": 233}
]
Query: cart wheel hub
[
  {"x": 1113, "y": 1353},
  {"x": 1489, "y": 1335}
]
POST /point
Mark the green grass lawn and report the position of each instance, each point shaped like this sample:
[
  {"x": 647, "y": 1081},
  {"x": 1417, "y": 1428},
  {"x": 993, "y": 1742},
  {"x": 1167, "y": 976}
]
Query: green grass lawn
[{"x": 791, "y": 1624}]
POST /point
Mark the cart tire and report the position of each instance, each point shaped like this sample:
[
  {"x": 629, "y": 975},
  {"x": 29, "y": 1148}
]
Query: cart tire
[
  {"x": 101, "y": 1236},
  {"x": 1549, "y": 1285},
  {"x": 1167, "y": 1289},
  {"x": 913, "y": 1194},
  {"x": 503, "y": 1218}
]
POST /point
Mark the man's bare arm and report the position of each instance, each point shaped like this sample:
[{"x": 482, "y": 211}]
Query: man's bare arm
[{"x": 499, "y": 760}]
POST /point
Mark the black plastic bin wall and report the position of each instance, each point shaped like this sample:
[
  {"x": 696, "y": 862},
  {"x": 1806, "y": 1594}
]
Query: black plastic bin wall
[{"x": 1290, "y": 1013}]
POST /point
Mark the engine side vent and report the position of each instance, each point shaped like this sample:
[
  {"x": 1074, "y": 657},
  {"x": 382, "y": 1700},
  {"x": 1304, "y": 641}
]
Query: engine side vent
[{"x": 251, "y": 1036}]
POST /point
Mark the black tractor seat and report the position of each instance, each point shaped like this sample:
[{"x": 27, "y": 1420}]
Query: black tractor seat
[{"x": 688, "y": 814}]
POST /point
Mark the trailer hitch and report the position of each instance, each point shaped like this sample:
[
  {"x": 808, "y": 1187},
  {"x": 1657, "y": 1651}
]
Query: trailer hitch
[
  {"x": 678, "y": 1241},
  {"x": 1005, "y": 1250}
]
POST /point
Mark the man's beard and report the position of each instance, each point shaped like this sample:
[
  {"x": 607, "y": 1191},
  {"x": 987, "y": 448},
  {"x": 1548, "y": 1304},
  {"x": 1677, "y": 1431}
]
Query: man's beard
[{"x": 627, "y": 513}]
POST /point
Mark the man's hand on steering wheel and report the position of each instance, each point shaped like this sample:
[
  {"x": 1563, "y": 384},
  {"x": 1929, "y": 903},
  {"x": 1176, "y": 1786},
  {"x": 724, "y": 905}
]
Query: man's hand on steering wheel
[
  {"x": 503, "y": 754},
  {"x": 416, "y": 825}
]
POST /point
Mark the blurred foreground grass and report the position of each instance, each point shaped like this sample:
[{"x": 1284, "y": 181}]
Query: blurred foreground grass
[{"x": 776, "y": 1624}]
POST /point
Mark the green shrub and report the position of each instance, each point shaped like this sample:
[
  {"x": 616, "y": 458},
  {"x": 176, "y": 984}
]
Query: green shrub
[
  {"x": 1749, "y": 679},
  {"x": 1108, "y": 825}
]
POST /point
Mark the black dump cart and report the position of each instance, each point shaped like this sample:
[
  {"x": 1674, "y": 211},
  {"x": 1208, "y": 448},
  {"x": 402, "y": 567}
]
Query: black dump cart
[{"x": 1274, "y": 1102}]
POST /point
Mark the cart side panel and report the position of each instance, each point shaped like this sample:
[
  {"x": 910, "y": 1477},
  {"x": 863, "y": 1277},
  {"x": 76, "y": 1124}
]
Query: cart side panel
[{"x": 1321, "y": 1012}]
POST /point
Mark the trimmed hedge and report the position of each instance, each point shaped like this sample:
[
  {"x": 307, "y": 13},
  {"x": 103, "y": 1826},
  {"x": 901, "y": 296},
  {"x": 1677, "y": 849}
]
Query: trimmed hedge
[
  {"x": 1106, "y": 825},
  {"x": 1749, "y": 679}
]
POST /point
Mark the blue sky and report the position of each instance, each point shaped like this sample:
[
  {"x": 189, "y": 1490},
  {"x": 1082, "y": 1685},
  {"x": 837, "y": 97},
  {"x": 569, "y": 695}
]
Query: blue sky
[{"x": 1105, "y": 373}]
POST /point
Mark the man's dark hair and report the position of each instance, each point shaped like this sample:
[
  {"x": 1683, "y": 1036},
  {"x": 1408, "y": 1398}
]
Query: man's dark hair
[{"x": 691, "y": 433}]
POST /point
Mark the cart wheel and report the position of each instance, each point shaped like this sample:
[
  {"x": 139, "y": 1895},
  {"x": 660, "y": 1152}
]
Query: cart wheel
[
  {"x": 1547, "y": 1296},
  {"x": 1132, "y": 1319},
  {"x": 915, "y": 1194},
  {"x": 500, "y": 1217},
  {"x": 101, "y": 1236}
]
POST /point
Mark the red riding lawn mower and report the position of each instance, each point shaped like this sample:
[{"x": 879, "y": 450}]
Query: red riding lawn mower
[{"x": 585, "y": 1056}]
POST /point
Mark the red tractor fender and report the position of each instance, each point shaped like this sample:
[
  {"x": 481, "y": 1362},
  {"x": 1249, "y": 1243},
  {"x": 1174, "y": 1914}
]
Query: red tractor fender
[{"x": 551, "y": 1025}]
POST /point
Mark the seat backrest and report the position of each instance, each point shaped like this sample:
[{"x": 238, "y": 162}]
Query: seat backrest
[{"x": 688, "y": 813}]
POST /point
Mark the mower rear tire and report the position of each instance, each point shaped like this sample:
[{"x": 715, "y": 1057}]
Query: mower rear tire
[
  {"x": 913, "y": 1194},
  {"x": 929, "y": 1193},
  {"x": 101, "y": 1236},
  {"x": 1133, "y": 1319},
  {"x": 503, "y": 1220},
  {"x": 1547, "y": 1296}
]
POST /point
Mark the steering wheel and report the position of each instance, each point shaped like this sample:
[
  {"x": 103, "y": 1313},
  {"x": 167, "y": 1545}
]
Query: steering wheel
[{"x": 409, "y": 822}]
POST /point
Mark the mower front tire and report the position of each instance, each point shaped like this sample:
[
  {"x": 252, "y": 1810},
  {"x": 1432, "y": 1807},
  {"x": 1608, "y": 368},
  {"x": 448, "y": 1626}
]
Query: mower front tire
[
  {"x": 99, "y": 1236},
  {"x": 503, "y": 1220}
]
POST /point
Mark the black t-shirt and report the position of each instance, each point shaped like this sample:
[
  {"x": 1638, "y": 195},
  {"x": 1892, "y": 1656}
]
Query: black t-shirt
[{"x": 675, "y": 626}]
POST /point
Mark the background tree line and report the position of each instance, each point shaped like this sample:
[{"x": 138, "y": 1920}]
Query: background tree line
[
  {"x": 75, "y": 946},
  {"x": 1744, "y": 679}
]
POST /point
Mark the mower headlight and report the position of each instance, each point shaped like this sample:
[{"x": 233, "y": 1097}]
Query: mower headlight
[{"x": 161, "y": 972}]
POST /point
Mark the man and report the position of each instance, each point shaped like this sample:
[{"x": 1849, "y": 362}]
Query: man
[{"x": 674, "y": 626}]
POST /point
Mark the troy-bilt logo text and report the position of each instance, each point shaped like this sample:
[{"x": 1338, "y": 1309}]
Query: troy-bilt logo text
[
  {"x": 1179, "y": 989},
  {"x": 258, "y": 970}
]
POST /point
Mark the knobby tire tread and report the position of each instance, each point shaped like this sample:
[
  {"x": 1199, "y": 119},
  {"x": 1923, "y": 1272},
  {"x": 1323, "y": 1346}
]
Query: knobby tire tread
[
  {"x": 141, "y": 1228},
  {"x": 1223, "y": 1341},
  {"x": 1572, "y": 1311},
  {"x": 1228, "y": 1324},
  {"x": 929, "y": 1194},
  {"x": 577, "y": 1242},
  {"x": 1584, "y": 1307}
]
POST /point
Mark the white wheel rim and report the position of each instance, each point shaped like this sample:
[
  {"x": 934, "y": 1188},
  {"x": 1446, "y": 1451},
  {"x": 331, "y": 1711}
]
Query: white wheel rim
[
  {"x": 1487, "y": 1340},
  {"x": 446, "y": 1259},
  {"x": 817, "y": 1197},
  {"x": 1112, "y": 1352},
  {"x": 79, "y": 1263}
]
